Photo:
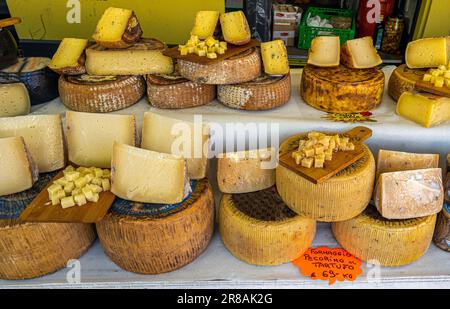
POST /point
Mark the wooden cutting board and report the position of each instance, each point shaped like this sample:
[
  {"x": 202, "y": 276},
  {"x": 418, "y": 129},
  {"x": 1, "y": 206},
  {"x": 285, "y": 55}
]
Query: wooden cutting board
[
  {"x": 416, "y": 76},
  {"x": 340, "y": 161},
  {"x": 42, "y": 210},
  {"x": 232, "y": 50}
]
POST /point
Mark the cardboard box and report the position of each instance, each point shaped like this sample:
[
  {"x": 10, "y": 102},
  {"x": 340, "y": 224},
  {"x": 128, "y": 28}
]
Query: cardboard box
[{"x": 288, "y": 37}]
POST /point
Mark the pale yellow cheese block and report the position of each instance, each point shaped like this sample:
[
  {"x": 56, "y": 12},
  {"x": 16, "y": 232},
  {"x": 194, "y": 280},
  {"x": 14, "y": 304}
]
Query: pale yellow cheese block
[
  {"x": 275, "y": 59},
  {"x": 426, "y": 53},
  {"x": 14, "y": 100},
  {"x": 325, "y": 51},
  {"x": 235, "y": 28},
  {"x": 69, "y": 57},
  {"x": 205, "y": 24},
  {"x": 360, "y": 54}
]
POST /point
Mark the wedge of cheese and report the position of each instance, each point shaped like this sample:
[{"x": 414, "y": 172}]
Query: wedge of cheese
[
  {"x": 18, "y": 171},
  {"x": 426, "y": 53},
  {"x": 117, "y": 28},
  {"x": 409, "y": 194},
  {"x": 14, "y": 100},
  {"x": 235, "y": 28},
  {"x": 69, "y": 57},
  {"x": 205, "y": 24},
  {"x": 325, "y": 51},
  {"x": 360, "y": 54},
  {"x": 173, "y": 136},
  {"x": 43, "y": 135},
  {"x": 425, "y": 109},
  {"x": 275, "y": 59},
  {"x": 146, "y": 176},
  {"x": 90, "y": 136}
]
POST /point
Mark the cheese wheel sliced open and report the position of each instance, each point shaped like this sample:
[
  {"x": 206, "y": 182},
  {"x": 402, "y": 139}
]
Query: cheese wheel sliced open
[
  {"x": 341, "y": 197},
  {"x": 263, "y": 93},
  {"x": 241, "y": 68},
  {"x": 258, "y": 228},
  {"x": 156, "y": 238},
  {"x": 369, "y": 236}
]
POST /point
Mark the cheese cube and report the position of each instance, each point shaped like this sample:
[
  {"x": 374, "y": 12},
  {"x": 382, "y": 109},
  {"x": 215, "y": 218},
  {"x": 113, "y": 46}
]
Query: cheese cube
[
  {"x": 319, "y": 161},
  {"x": 221, "y": 50},
  {"x": 106, "y": 173},
  {"x": 309, "y": 152},
  {"x": 61, "y": 181},
  {"x": 67, "y": 202},
  {"x": 328, "y": 154},
  {"x": 211, "y": 55},
  {"x": 77, "y": 191},
  {"x": 307, "y": 162},
  {"x": 14, "y": 100},
  {"x": 298, "y": 156},
  {"x": 68, "y": 188},
  {"x": 72, "y": 176},
  {"x": 274, "y": 56},
  {"x": 60, "y": 194},
  {"x": 80, "y": 182},
  {"x": 95, "y": 188},
  {"x": 88, "y": 178},
  {"x": 224, "y": 45},
  {"x": 68, "y": 53},
  {"x": 205, "y": 24},
  {"x": 235, "y": 29},
  {"x": 191, "y": 49},
  {"x": 325, "y": 51},
  {"x": 426, "y": 77},
  {"x": 54, "y": 188},
  {"x": 94, "y": 198},
  {"x": 439, "y": 82},
  {"x": 447, "y": 74},
  {"x": 210, "y": 41},
  {"x": 426, "y": 53},
  {"x": 360, "y": 54},
  {"x": 318, "y": 149},
  {"x": 88, "y": 193},
  {"x": 184, "y": 51},
  {"x": 80, "y": 199},
  {"x": 96, "y": 181},
  {"x": 106, "y": 186},
  {"x": 55, "y": 200}
]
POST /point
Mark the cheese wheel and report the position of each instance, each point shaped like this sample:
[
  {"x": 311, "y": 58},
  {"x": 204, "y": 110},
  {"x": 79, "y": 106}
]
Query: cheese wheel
[
  {"x": 442, "y": 232},
  {"x": 258, "y": 228},
  {"x": 403, "y": 79},
  {"x": 174, "y": 91},
  {"x": 29, "y": 250},
  {"x": 341, "y": 197},
  {"x": 342, "y": 90},
  {"x": 369, "y": 236},
  {"x": 241, "y": 68},
  {"x": 158, "y": 238},
  {"x": 100, "y": 94},
  {"x": 263, "y": 93},
  {"x": 14, "y": 100}
]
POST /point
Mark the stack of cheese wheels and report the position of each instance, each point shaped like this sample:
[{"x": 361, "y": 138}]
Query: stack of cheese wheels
[
  {"x": 341, "y": 197},
  {"x": 29, "y": 250},
  {"x": 255, "y": 224},
  {"x": 442, "y": 232},
  {"x": 108, "y": 75}
]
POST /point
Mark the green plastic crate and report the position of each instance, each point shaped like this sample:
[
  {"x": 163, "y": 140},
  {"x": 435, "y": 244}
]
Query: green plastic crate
[{"x": 307, "y": 33}]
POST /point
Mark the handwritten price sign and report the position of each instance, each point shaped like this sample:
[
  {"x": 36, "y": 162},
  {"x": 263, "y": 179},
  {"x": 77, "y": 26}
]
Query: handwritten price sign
[{"x": 329, "y": 264}]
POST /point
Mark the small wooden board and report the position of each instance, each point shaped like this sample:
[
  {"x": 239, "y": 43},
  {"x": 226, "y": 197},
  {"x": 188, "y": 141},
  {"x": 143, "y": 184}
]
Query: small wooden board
[
  {"x": 41, "y": 209},
  {"x": 341, "y": 159},
  {"x": 232, "y": 50},
  {"x": 429, "y": 87},
  {"x": 416, "y": 76},
  {"x": 9, "y": 22}
]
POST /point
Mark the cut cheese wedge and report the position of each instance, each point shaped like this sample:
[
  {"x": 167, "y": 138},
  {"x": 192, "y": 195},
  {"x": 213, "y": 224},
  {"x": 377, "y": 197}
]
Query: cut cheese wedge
[
  {"x": 426, "y": 53},
  {"x": 275, "y": 58},
  {"x": 173, "y": 136},
  {"x": 90, "y": 136},
  {"x": 246, "y": 171},
  {"x": 235, "y": 29},
  {"x": 14, "y": 100},
  {"x": 360, "y": 54},
  {"x": 146, "y": 176},
  {"x": 43, "y": 135},
  {"x": 425, "y": 109},
  {"x": 409, "y": 194},
  {"x": 69, "y": 57},
  {"x": 394, "y": 161},
  {"x": 18, "y": 172},
  {"x": 205, "y": 24},
  {"x": 325, "y": 51}
]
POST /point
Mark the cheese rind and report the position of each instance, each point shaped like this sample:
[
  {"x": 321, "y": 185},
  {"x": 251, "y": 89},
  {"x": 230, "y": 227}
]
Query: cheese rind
[
  {"x": 205, "y": 24},
  {"x": 235, "y": 29},
  {"x": 173, "y": 136},
  {"x": 14, "y": 100},
  {"x": 325, "y": 51},
  {"x": 69, "y": 57},
  {"x": 90, "y": 136},
  {"x": 274, "y": 57},
  {"x": 426, "y": 53},
  {"x": 425, "y": 109},
  {"x": 360, "y": 54},
  {"x": 146, "y": 176},
  {"x": 43, "y": 135},
  {"x": 18, "y": 171},
  {"x": 409, "y": 194}
]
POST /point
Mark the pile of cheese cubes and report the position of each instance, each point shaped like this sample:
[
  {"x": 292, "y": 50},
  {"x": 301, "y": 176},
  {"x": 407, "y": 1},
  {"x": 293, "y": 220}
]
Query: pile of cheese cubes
[
  {"x": 209, "y": 47},
  {"x": 78, "y": 186},
  {"x": 318, "y": 148},
  {"x": 438, "y": 77}
]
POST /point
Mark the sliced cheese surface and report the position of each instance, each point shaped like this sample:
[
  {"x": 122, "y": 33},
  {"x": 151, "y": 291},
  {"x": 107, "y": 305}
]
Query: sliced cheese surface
[
  {"x": 173, "y": 136},
  {"x": 90, "y": 136},
  {"x": 426, "y": 53},
  {"x": 235, "y": 28},
  {"x": 112, "y": 24},
  {"x": 325, "y": 51},
  {"x": 68, "y": 53},
  {"x": 205, "y": 24},
  {"x": 360, "y": 54},
  {"x": 18, "y": 171},
  {"x": 43, "y": 135},
  {"x": 274, "y": 56},
  {"x": 146, "y": 176},
  {"x": 14, "y": 100},
  {"x": 409, "y": 194},
  {"x": 395, "y": 161},
  {"x": 425, "y": 109}
]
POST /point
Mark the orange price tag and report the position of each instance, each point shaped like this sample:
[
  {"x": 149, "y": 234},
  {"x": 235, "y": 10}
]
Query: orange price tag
[{"x": 329, "y": 264}]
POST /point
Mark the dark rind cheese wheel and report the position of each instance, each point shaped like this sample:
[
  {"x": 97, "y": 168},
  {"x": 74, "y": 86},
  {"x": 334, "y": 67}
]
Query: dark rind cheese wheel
[
  {"x": 403, "y": 79},
  {"x": 369, "y": 236},
  {"x": 442, "y": 232},
  {"x": 100, "y": 94},
  {"x": 258, "y": 228},
  {"x": 263, "y": 93},
  {"x": 342, "y": 90},
  {"x": 29, "y": 250},
  {"x": 156, "y": 238},
  {"x": 174, "y": 91}
]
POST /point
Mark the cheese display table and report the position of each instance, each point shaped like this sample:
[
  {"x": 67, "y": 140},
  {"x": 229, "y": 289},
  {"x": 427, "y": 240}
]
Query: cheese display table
[{"x": 216, "y": 267}]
